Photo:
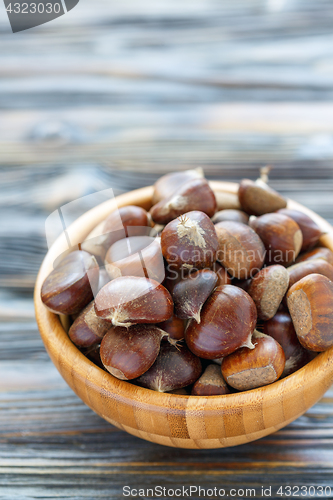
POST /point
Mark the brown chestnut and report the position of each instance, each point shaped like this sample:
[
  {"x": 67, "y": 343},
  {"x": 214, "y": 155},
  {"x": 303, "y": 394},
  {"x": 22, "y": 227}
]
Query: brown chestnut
[
  {"x": 257, "y": 198},
  {"x": 130, "y": 300},
  {"x": 173, "y": 275},
  {"x": 194, "y": 195},
  {"x": 190, "y": 294},
  {"x": 136, "y": 256},
  {"x": 70, "y": 286},
  {"x": 228, "y": 319},
  {"x": 310, "y": 303},
  {"x": 127, "y": 353},
  {"x": 310, "y": 230},
  {"x": 126, "y": 221},
  {"x": 174, "y": 326},
  {"x": 312, "y": 266},
  {"x": 190, "y": 242},
  {"x": 211, "y": 383},
  {"x": 88, "y": 329},
  {"x": 317, "y": 253},
  {"x": 230, "y": 215},
  {"x": 250, "y": 368},
  {"x": 281, "y": 236},
  {"x": 92, "y": 353},
  {"x": 166, "y": 185},
  {"x": 267, "y": 289},
  {"x": 241, "y": 251},
  {"x": 281, "y": 328},
  {"x": 174, "y": 368},
  {"x": 121, "y": 223}
]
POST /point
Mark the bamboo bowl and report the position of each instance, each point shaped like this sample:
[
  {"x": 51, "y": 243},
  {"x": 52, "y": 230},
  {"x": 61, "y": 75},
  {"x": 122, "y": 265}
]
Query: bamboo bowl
[{"x": 172, "y": 420}]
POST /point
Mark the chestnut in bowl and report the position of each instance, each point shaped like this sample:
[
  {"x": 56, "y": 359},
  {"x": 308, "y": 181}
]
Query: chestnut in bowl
[{"x": 172, "y": 419}]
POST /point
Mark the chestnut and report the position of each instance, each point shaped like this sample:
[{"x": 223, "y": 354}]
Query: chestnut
[
  {"x": 317, "y": 253},
  {"x": 93, "y": 354},
  {"x": 130, "y": 299},
  {"x": 223, "y": 278},
  {"x": 241, "y": 251},
  {"x": 310, "y": 303},
  {"x": 194, "y": 195},
  {"x": 228, "y": 319},
  {"x": 267, "y": 289},
  {"x": 136, "y": 256},
  {"x": 174, "y": 368},
  {"x": 174, "y": 326},
  {"x": 257, "y": 198},
  {"x": 310, "y": 230},
  {"x": 250, "y": 368},
  {"x": 126, "y": 221},
  {"x": 173, "y": 275},
  {"x": 312, "y": 266},
  {"x": 88, "y": 329},
  {"x": 166, "y": 185},
  {"x": 211, "y": 383},
  {"x": 191, "y": 293},
  {"x": 122, "y": 222},
  {"x": 281, "y": 328},
  {"x": 230, "y": 215},
  {"x": 70, "y": 286},
  {"x": 190, "y": 242},
  {"x": 281, "y": 236},
  {"x": 127, "y": 353}
]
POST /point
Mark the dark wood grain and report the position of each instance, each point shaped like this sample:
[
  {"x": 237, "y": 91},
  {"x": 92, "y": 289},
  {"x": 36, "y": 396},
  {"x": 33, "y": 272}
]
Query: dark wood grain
[{"x": 114, "y": 95}]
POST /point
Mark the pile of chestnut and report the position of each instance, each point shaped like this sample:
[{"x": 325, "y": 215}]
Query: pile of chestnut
[{"x": 195, "y": 300}]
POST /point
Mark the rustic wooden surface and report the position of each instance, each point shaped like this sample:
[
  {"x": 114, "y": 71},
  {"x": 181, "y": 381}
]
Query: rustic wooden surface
[{"x": 113, "y": 95}]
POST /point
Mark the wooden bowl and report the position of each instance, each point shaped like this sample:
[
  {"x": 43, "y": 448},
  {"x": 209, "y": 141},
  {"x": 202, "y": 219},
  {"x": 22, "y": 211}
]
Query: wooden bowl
[{"x": 172, "y": 420}]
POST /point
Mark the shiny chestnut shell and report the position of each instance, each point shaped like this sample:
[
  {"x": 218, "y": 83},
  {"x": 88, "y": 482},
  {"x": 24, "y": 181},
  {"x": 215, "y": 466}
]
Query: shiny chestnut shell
[
  {"x": 174, "y": 326},
  {"x": 194, "y": 195},
  {"x": 88, "y": 329},
  {"x": 310, "y": 230},
  {"x": 191, "y": 293},
  {"x": 312, "y": 266},
  {"x": 127, "y": 353},
  {"x": 241, "y": 251},
  {"x": 281, "y": 236},
  {"x": 317, "y": 253},
  {"x": 136, "y": 256},
  {"x": 174, "y": 368},
  {"x": 70, "y": 286},
  {"x": 230, "y": 215},
  {"x": 130, "y": 300},
  {"x": 166, "y": 185},
  {"x": 228, "y": 319},
  {"x": 281, "y": 328}
]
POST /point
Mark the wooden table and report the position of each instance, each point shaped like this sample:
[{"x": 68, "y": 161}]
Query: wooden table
[{"x": 113, "y": 95}]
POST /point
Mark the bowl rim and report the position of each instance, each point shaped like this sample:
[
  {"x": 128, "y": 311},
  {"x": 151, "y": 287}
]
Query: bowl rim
[{"x": 73, "y": 365}]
